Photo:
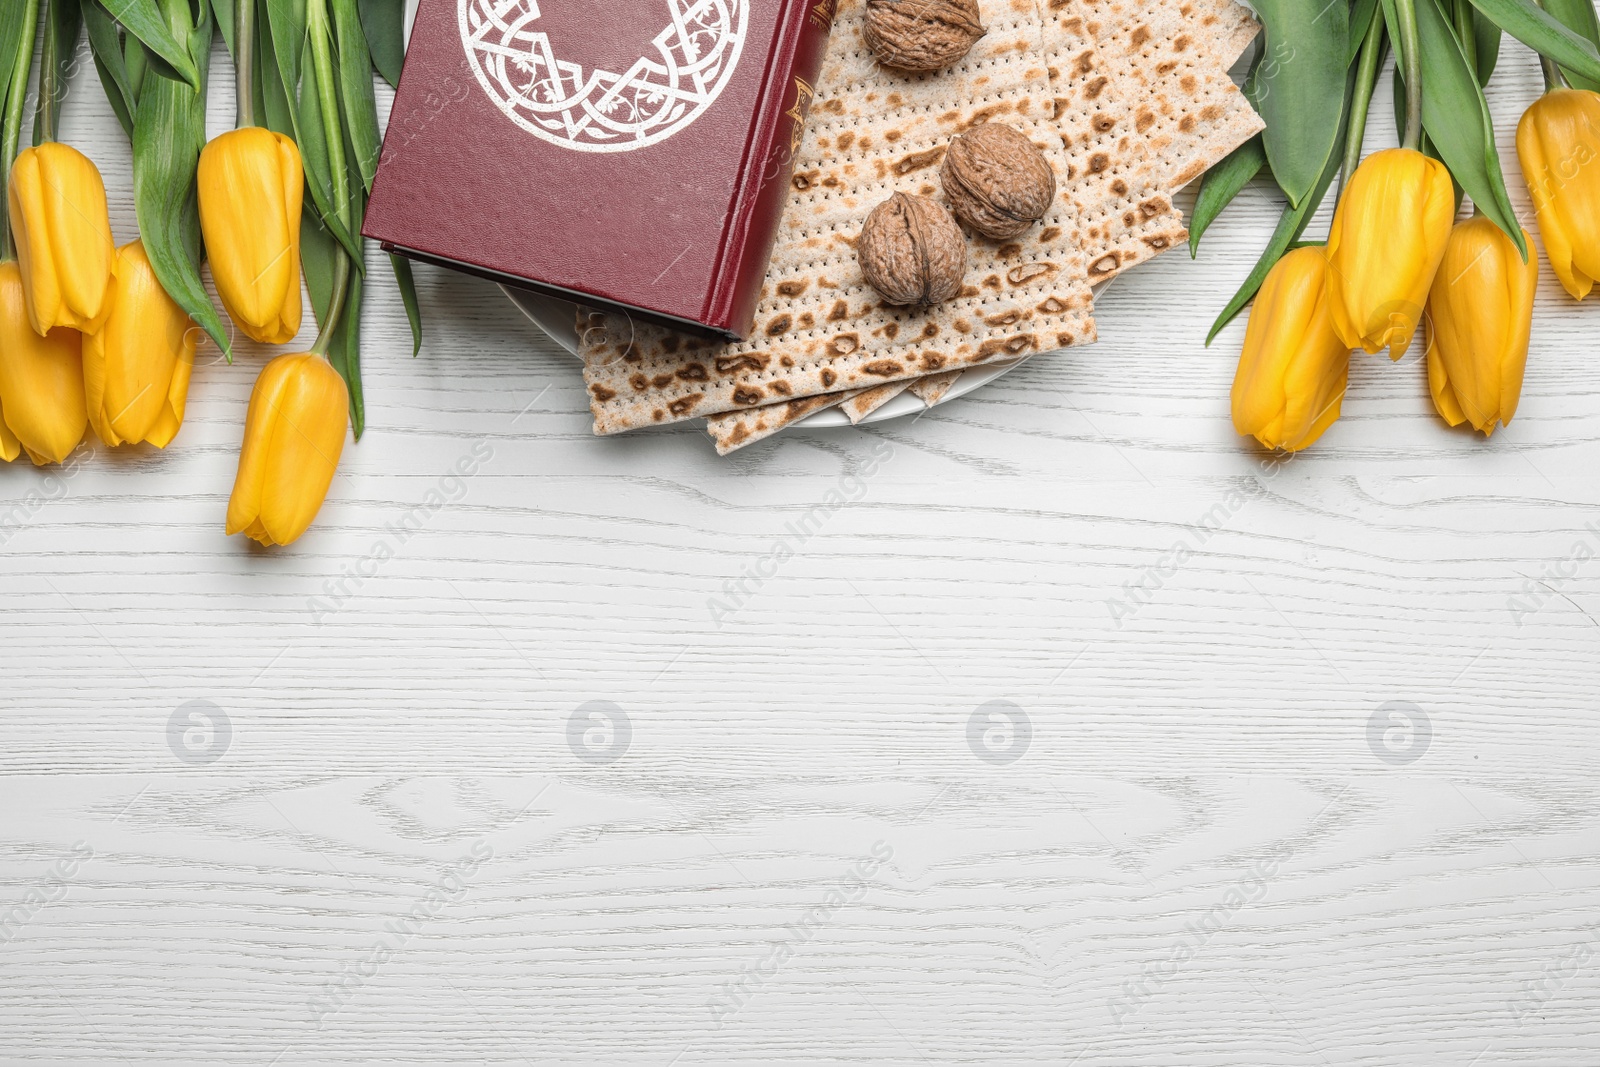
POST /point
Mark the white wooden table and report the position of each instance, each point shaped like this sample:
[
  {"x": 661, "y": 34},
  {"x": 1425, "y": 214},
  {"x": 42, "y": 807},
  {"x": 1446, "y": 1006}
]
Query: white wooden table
[{"x": 913, "y": 792}]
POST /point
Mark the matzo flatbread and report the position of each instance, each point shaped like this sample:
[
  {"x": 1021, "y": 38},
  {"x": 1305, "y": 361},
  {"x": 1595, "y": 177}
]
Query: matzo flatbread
[
  {"x": 859, "y": 407},
  {"x": 733, "y": 430},
  {"x": 820, "y": 328},
  {"x": 1230, "y": 25},
  {"x": 1188, "y": 109},
  {"x": 931, "y": 389},
  {"x": 1123, "y": 216}
]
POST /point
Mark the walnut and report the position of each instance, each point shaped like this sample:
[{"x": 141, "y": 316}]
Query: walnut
[
  {"x": 997, "y": 181},
  {"x": 912, "y": 251},
  {"x": 922, "y": 35}
]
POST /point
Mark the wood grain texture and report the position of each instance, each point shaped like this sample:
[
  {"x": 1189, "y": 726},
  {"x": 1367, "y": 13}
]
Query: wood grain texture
[{"x": 1221, "y": 842}]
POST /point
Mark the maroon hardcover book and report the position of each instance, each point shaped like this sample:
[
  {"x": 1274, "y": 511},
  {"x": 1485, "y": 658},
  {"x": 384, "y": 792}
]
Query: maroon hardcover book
[{"x": 628, "y": 154}]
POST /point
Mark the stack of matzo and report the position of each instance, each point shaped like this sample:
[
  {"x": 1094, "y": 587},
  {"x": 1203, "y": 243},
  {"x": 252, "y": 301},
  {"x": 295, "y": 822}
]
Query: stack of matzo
[{"x": 1130, "y": 100}]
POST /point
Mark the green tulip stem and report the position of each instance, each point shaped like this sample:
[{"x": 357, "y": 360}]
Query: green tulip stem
[
  {"x": 1410, "y": 50},
  {"x": 1553, "y": 78},
  {"x": 321, "y": 37},
  {"x": 341, "y": 289},
  {"x": 14, "y": 96},
  {"x": 244, "y": 64},
  {"x": 50, "y": 84},
  {"x": 1361, "y": 101}
]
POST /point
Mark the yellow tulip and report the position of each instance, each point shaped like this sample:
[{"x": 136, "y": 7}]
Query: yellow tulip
[
  {"x": 1388, "y": 234},
  {"x": 1292, "y": 372},
  {"x": 58, "y": 212},
  {"x": 136, "y": 367},
  {"x": 10, "y": 447},
  {"x": 1558, "y": 145},
  {"x": 41, "y": 380},
  {"x": 1479, "y": 314},
  {"x": 293, "y": 436},
  {"x": 250, "y": 186}
]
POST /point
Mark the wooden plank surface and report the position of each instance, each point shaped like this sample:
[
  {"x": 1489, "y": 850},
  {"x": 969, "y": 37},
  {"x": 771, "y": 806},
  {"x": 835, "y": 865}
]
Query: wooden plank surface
[{"x": 916, "y": 743}]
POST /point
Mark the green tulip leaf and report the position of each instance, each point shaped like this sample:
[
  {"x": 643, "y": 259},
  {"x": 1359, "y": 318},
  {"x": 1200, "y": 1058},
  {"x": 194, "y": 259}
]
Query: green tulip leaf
[
  {"x": 298, "y": 103},
  {"x": 169, "y": 132},
  {"x": 1536, "y": 28},
  {"x": 1299, "y": 85},
  {"x": 355, "y": 91},
  {"x": 106, "y": 44},
  {"x": 344, "y": 352},
  {"x": 119, "y": 104},
  {"x": 1360, "y": 21},
  {"x": 137, "y": 60},
  {"x": 408, "y": 296},
  {"x": 1221, "y": 184},
  {"x": 224, "y": 13},
  {"x": 287, "y": 22},
  {"x": 384, "y": 24},
  {"x": 319, "y": 252},
  {"x": 311, "y": 135},
  {"x": 1579, "y": 17},
  {"x": 320, "y": 255},
  {"x": 11, "y": 50},
  {"x": 142, "y": 19},
  {"x": 1290, "y": 226},
  {"x": 1479, "y": 37},
  {"x": 1294, "y": 220},
  {"x": 1486, "y": 42},
  {"x": 1456, "y": 118},
  {"x": 274, "y": 111}
]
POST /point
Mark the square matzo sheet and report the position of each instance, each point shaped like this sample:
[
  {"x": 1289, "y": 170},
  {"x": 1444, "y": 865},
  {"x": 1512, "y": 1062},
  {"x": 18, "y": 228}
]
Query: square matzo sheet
[{"x": 1175, "y": 55}]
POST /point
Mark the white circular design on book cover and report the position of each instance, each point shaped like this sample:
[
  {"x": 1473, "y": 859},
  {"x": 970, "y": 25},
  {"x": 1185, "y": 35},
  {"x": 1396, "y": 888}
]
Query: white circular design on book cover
[{"x": 556, "y": 99}]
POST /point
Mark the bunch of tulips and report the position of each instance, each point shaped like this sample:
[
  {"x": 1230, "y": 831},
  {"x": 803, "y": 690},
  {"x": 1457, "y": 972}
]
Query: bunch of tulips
[
  {"x": 1396, "y": 257},
  {"x": 91, "y": 338}
]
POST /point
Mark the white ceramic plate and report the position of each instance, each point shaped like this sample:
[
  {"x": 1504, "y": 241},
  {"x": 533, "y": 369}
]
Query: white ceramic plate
[{"x": 559, "y": 319}]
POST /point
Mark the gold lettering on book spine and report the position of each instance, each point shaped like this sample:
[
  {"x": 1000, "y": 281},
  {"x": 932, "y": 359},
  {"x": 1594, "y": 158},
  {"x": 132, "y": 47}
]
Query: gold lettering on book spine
[
  {"x": 803, "y": 95},
  {"x": 823, "y": 14}
]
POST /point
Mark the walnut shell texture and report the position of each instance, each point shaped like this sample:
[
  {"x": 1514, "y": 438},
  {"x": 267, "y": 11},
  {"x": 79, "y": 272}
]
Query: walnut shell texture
[
  {"x": 997, "y": 181},
  {"x": 922, "y": 35},
  {"x": 912, "y": 252}
]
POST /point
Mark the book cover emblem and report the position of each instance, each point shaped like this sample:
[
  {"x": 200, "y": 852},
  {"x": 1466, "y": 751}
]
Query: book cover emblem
[{"x": 554, "y": 96}]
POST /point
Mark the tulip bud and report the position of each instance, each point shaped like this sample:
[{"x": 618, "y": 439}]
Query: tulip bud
[
  {"x": 1292, "y": 372},
  {"x": 1479, "y": 314},
  {"x": 41, "y": 380},
  {"x": 250, "y": 185},
  {"x": 294, "y": 433},
  {"x": 136, "y": 367},
  {"x": 1388, "y": 233},
  {"x": 1558, "y": 145},
  {"x": 58, "y": 212}
]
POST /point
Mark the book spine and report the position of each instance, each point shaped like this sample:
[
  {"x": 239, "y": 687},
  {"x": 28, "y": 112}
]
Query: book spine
[{"x": 775, "y": 138}]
